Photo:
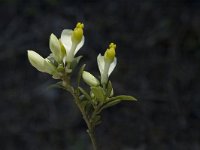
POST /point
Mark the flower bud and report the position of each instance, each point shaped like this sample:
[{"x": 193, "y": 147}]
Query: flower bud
[
  {"x": 110, "y": 52},
  {"x": 77, "y": 34},
  {"x": 55, "y": 48},
  {"x": 90, "y": 79},
  {"x": 36, "y": 60}
]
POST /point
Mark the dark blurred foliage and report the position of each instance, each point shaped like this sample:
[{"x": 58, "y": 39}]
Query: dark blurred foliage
[{"x": 158, "y": 62}]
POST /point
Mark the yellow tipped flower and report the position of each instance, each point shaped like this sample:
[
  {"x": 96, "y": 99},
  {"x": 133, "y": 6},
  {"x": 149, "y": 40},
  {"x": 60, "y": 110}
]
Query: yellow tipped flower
[
  {"x": 78, "y": 32},
  {"x": 110, "y": 52},
  {"x": 72, "y": 40},
  {"x": 107, "y": 63}
]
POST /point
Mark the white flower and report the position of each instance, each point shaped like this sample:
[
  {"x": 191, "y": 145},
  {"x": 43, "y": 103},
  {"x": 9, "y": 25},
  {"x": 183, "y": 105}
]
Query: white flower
[
  {"x": 107, "y": 63},
  {"x": 72, "y": 40},
  {"x": 90, "y": 79}
]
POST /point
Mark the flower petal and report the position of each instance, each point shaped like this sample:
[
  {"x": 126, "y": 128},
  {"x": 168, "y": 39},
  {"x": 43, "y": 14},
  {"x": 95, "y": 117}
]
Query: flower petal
[
  {"x": 66, "y": 39},
  {"x": 101, "y": 63},
  {"x": 36, "y": 60},
  {"x": 55, "y": 47},
  {"x": 79, "y": 45},
  {"x": 112, "y": 66}
]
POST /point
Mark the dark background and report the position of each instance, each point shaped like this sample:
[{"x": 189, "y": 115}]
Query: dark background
[{"x": 158, "y": 51}]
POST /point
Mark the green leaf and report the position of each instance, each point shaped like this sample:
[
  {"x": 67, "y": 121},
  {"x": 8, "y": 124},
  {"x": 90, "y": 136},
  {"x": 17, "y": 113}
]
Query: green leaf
[
  {"x": 115, "y": 100},
  {"x": 88, "y": 108},
  {"x": 57, "y": 85},
  {"x": 123, "y": 98},
  {"x": 98, "y": 93},
  {"x": 80, "y": 73},
  {"x": 84, "y": 93},
  {"x": 109, "y": 104},
  {"x": 109, "y": 91},
  {"x": 86, "y": 105}
]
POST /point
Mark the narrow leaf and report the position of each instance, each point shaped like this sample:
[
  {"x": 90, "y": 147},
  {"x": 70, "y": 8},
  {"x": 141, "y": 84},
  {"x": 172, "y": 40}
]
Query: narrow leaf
[
  {"x": 123, "y": 98},
  {"x": 109, "y": 104},
  {"x": 80, "y": 73},
  {"x": 57, "y": 85},
  {"x": 84, "y": 93},
  {"x": 88, "y": 108},
  {"x": 115, "y": 100}
]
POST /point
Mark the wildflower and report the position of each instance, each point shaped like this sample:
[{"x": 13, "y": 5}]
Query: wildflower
[
  {"x": 72, "y": 40},
  {"x": 107, "y": 63}
]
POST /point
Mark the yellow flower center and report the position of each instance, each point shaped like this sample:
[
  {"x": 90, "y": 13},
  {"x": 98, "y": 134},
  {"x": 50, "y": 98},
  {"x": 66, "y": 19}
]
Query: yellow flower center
[{"x": 110, "y": 52}]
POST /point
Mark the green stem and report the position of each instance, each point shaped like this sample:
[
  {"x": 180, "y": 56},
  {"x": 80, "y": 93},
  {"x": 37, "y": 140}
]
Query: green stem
[
  {"x": 90, "y": 126},
  {"x": 92, "y": 137}
]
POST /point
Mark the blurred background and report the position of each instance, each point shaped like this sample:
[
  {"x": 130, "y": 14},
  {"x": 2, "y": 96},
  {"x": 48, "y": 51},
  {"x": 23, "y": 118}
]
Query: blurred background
[{"x": 158, "y": 51}]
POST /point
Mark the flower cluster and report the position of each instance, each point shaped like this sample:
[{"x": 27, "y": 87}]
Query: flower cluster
[
  {"x": 61, "y": 63},
  {"x": 62, "y": 59}
]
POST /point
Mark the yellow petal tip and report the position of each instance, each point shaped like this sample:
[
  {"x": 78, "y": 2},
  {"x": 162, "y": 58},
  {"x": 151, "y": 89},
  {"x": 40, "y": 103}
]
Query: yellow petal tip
[{"x": 110, "y": 52}]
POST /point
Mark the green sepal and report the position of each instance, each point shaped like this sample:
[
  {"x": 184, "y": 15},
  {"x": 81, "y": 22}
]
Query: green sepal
[
  {"x": 98, "y": 93},
  {"x": 87, "y": 96},
  {"x": 80, "y": 74},
  {"x": 60, "y": 68}
]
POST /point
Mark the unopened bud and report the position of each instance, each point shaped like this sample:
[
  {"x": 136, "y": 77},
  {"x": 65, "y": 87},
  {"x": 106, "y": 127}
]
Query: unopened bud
[
  {"x": 36, "y": 60},
  {"x": 90, "y": 79}
]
